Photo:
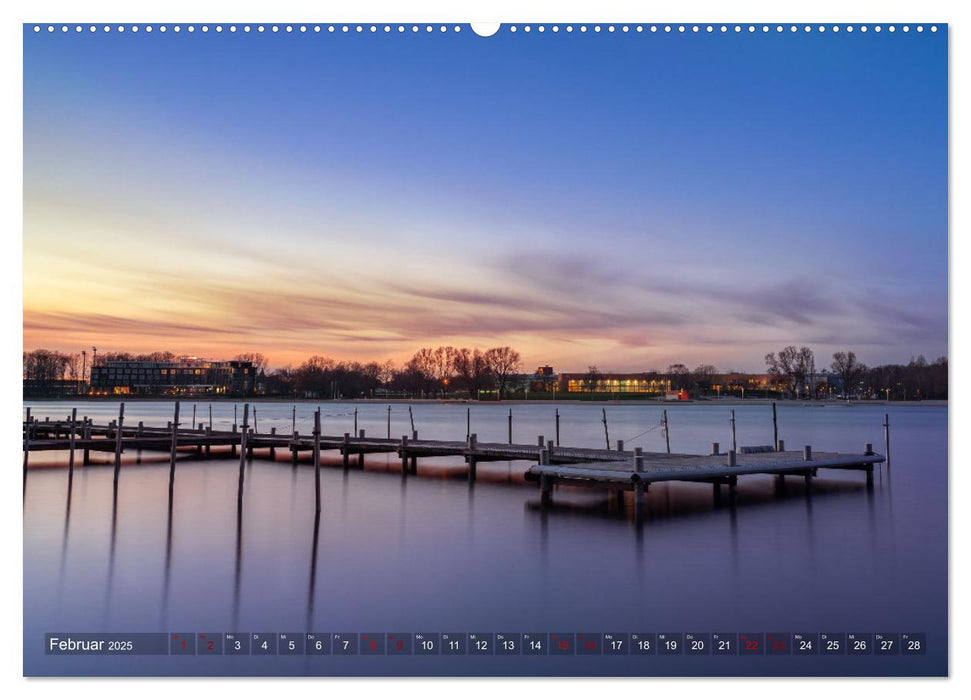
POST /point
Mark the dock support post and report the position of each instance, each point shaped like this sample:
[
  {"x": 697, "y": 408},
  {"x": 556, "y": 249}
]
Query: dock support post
[
  {"x": 242, "y": 454},
  {"x": 345, "y": 449},
  {"x": 174, "y": 446},
  {"x": 807, "y": 453},
  {"x": 471, "y": 449},
  {"x": 86, "y": 454},
  {"x": 510, "y": 426},
  {"x": 193, "y": 416},
  {"x": 355, "y": 420},
  {"x": 468, "y": 423},
  {"x": 70, "y": 459},
  {"x": 293, "y": 430},
  {"x": 210, "y": 419},
  {"x": 886, "y": 437},
  {"x": 557, "y": 426},
  {"x": 294, "y": 452},
  {"x": 360, "y": 454},
  {"x": 404, "y": 454},
  {"x": 546, "y": 489},
  {"x": 27, "y": 430},
  {"x": 606, "y": 432},
  {"x": 731, "y": 458},
  {"x": 273, "y": 445},
  {"x": 316, "y": 460},
  {"x": 782, "y": 445},
  {"x": 118, "y": 433},
  {"x": 732, "y": 490},
  {"x": 734, "y": 443},
  {"x": 232, "y": 446},
  {"x": 256, "y": 425},
  {"x": 715, "y": 448},
  {"x": 249, "y": 444},
  {"x": 208, "y": 439},
  {"x": 640, "y": 491},
  {"x": 638, "y": 459},
  {"x": 869, "y": 476},
  {"x": 775, "y": 428},
  {"x": 716, "y": 490},
  {"x": 667, "y": 433},
  {"x": 200, "y": 430},
  {"x": 620, "y": 445},
  {"x": 414, "y": 457}
]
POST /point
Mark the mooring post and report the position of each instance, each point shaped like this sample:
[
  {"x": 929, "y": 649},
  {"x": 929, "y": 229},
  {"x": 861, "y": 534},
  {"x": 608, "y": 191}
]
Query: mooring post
[
  {"x": 557, "y": 414},
  {"x": 293, "y": 430},
  {"x": 345, "y": 449},
  {"x": 86, "y": 453},
  {"x": 731, "y": 458},
  {"x": 715, "y": 448},
  {"x": 27, "y": 429},
  {"x": 667, "y": 433},
  {"x": 411, "y": 417},
  {"x": 193, "y": 415},
  {"x": 404, "y": 454},
  {"x": 242, "y": 454},
  {"x": 235, "y": 421},
  {"x": 141, "y": 427},
  {"x": 316, "y": 460},
  {"x": 273, "y": 444},
  {"x": 471, "y": 449},
  {"x": 256, "y": 426},
  {"x": 232, "y": 446},
  {"x": 355, "y": 420},
  {"x": 620, "y": 445},
  {"x": 360, "y": 453},
  {"x": 209, "y": 438},
  {"x": 414, "y": 456},
  {"x": 210, "y": 419},
  {"x": 775, "y": 428},
  {"x": 638, "y": 459},
  {"x": 606, "y": 433},
  {"x": 175, "y": 444},
  {"x": 70, "y": 459},
  {"x": 294, "y": 452},
  {"x": 510, "y": 426},
  {"x": 734, "y": 443},
  {"x": 118, "y": 433},
  {"x": 807, "y": 453},
  {"x": 782, "y": 445},
  {"x": 886, "y": 437},
  {"x": 468, "y": 423},
  {"x": 540, "y": 441},
  {"x": 546, "y": 489},
  {"x": 389, "y": 422}
]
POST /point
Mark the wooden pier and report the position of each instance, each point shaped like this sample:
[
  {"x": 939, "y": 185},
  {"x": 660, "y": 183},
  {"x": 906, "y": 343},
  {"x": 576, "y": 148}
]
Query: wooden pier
[{"x": 615, "y": 470}]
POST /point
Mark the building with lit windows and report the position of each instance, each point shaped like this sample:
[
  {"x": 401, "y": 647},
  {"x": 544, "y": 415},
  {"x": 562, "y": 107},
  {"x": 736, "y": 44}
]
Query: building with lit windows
[
  {"x": 188, "y": 375},
  {"x": 607, "y": 383}
]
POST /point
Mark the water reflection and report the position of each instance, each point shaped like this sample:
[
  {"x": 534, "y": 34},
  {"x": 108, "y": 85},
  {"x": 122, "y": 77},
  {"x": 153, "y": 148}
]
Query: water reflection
[
  {"x": 239, "y": 564},
  {"x": 167, "y": 572},
  {"x": 111, "y": 554},
  {"x": 312, "y": 587}
]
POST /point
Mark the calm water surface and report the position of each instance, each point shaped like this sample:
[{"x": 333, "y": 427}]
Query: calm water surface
[{"x": 432, "y": 554}]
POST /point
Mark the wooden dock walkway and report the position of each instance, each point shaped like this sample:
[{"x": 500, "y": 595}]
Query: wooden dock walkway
[{"x": 619, "y": 470}]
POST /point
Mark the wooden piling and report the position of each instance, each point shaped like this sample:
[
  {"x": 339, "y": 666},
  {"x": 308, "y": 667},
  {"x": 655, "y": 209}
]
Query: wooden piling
[
  {"x": 27, "y": 430},
  {"x": 731, "y": 458},
  {"x": 606, "y": 432},
  {"x": 175, "y": 444},
  {"x": 355, "y": 420},
  {"x": 208, "y": 435},
  {"x": 807, "y": 453},
  {"x": 86, "y": 453},
  {"x": 620, "y": 445},
  {"x": 294, "y": 453},
  {"x": 210, "y": 420},
  {"x": 715, "y": 447},
  {"x": 360, "y": 454},
  {"x": 471, "y": 443},
  {"x": 667, "y": 433},
  {"x": 782, "y": 445},
  {"x": 193, "y": 415},
  {"x": 293, "y": 430},
  {"x": 557, "y": 415},
  {"x": 510, "y": 426},
  {"x": 256, "y": 426},
  {"x": 734, "y": 442},
  {"x": 273, "y": 445},
  {"x": 118, "y": 434},
  {"x": 316, "y": 460},
  {"x": 242, "y": 454},
  {"x": 775, "y": 428},
  {"x": 411, "y": 417},
  {"x": 70, "y": 459},
  {"x": 345, "y": 449},
  {"x": 886, "y": 437},
  {"x": 468, "y": 423},
  {"x": 404, "y": 454},
  {"x": 638, "y": 460},
  {"x": 414, "y": 457},
  {"x": 389, "y": 422}
]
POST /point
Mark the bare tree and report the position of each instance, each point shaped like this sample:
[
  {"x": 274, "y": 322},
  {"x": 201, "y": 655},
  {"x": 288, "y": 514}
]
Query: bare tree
[
  {"x": 785, "y": 367},
  {"x": 849, "y": 370},
  {"x": 592, "y": 379},
  {"x": 704, "y": 376},
  {"x": 680, "y": 375},
  {"x": 257, "y": 358},
  {"x": 503, "y": 363},
  {"x": 472, "y": 370},
  {"x": 443, "y": 363}
]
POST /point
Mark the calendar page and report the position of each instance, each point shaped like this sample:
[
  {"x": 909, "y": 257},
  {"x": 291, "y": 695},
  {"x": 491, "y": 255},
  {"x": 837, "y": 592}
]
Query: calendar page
[{"x": 520, "y": 349}]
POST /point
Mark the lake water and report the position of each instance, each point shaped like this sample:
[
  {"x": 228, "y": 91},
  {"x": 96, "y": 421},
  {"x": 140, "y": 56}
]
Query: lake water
[{"x": 432, "y": 554}]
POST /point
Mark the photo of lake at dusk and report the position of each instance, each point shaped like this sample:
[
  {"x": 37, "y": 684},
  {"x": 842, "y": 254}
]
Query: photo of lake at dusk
[{"x": 525, "y": 350}]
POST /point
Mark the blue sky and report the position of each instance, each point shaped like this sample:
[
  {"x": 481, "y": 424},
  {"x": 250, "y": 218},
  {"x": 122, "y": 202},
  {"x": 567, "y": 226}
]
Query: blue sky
[{"x": 626, "y": 200}]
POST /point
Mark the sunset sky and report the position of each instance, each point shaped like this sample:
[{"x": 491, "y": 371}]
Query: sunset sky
[{"x": 625, "y": 200}]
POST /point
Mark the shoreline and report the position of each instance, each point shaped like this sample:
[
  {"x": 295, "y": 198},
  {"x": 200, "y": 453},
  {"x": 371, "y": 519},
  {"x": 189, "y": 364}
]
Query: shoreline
[{"x": 734, "y": 401}]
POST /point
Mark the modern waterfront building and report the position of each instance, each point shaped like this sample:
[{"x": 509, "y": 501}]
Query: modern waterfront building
[{"x": 188, "y": 375}]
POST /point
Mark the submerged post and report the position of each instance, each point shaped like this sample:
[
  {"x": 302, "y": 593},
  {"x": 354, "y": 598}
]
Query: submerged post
[
  {"x": 775, "y": 428},
  {"x": 734, "y": 443},
  {"x": 606, "y": 433},
  {"x": 242, "y": 455},
  {"x": 886, "y": 437},
  {"x": 118, "y": 434},
  {"x": 316, "y": 460},
  {"x": 557, "y": 411},
  {"x": 175, "y": 444},
  {"x": 667, "y": 433}
]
